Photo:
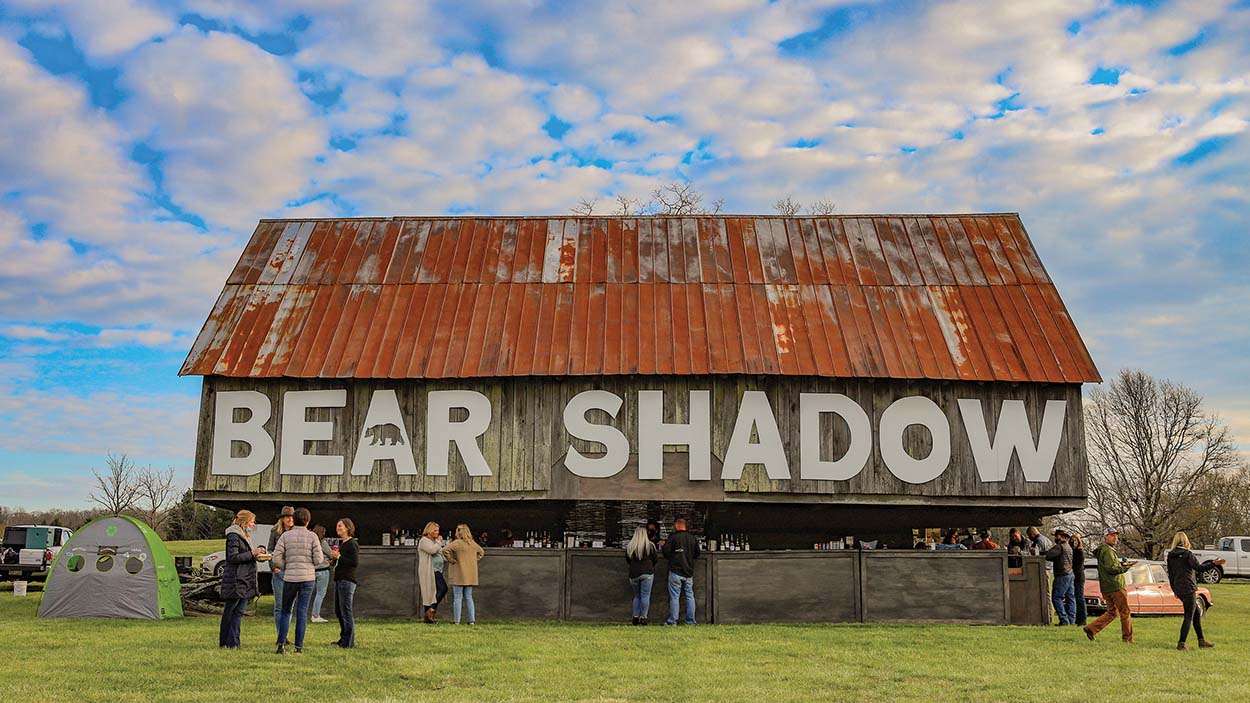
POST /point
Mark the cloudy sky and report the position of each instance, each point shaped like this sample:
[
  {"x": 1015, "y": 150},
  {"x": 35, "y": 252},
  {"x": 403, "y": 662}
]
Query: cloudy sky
[{"x": 140, "y": 143}]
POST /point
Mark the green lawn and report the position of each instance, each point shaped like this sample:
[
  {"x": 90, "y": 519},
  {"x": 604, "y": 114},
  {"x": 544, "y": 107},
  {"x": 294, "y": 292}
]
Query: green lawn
[
  {"x": 103, "y": 660},
  {"x": 195, "y": 547}
]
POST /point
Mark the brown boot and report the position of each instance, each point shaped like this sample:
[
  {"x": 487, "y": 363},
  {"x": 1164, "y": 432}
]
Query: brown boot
[
  {"x": 1205, "y": 644},
  {"x": 1180, "y": 646},
  {"x": 429, "y": 615}
]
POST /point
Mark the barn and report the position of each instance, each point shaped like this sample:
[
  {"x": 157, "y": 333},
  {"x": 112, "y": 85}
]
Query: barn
[{"x": 787, "y": 384}]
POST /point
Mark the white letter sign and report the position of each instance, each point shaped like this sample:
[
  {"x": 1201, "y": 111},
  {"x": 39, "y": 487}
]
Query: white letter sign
[
  {"x": 384, "y": 437},
  {"x": 755, "y": 412},
  {"x": 1012, "y": 434},
  {"x": 903, "y": 413},
  {"x": 654, "y": 433},
  {"x": 613, "y": 440},
  {"x": 441, "y": 431},
  {"x": 252, "y": 431},
  {"x": 811, "y": 466},
  {"x": 296, "y": 429}
]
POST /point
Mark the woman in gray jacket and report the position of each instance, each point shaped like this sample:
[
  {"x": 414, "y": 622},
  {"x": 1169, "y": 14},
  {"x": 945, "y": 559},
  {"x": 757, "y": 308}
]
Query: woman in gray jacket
[{"x": 297, "y": 554}]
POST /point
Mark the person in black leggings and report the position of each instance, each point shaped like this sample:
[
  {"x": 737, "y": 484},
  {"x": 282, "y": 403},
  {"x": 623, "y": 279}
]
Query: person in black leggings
[{"x": 1183, "y": 569}]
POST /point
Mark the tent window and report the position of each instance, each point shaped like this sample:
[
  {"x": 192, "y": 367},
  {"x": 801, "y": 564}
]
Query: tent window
[
  {"x": 134, "y": 565},
  {"x": 75, "y": 563},
  {"x": 104, "y": 564}
]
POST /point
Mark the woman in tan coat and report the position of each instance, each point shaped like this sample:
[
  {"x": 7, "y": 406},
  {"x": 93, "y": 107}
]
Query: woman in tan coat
[
  {"x": 462, "y": 556},
  {"x": 429, "y": 570}
]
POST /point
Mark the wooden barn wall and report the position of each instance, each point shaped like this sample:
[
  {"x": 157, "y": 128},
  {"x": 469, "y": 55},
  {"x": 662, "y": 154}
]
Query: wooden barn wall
[{"x": 526, "y": 441}]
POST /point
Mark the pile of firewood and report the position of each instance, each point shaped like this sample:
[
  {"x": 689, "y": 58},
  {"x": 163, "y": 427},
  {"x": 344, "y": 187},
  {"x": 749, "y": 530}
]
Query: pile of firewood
[{"x": 202, "y": 594}]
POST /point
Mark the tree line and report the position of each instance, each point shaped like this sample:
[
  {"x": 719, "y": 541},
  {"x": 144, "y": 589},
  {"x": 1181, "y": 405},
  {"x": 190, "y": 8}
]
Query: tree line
[
  {"x": 679, "y": 198},
  {"x": 148, "y": 494}
]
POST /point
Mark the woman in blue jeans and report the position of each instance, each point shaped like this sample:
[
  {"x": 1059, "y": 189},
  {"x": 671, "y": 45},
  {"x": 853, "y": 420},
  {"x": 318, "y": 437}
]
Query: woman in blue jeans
[
  {"x": 641, "y": 555},
  {"x": 346, "y": 556}
]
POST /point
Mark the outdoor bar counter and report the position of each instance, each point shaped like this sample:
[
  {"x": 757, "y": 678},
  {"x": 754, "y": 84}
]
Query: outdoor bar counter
[{"x": 591, "y": 585}]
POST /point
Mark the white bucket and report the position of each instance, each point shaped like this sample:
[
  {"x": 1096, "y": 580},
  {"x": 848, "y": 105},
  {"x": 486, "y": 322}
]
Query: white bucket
[{"x": 19, "y": 588}]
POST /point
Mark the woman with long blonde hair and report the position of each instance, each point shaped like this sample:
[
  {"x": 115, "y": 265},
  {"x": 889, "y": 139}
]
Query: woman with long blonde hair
[
  {"x": 430, "y": 570},
  {"x": 462, "y": 556},
  {"x": 238, "y": 577},
  {"x": 1183, "y": 568},
  {"x": 641, "y": 555}
]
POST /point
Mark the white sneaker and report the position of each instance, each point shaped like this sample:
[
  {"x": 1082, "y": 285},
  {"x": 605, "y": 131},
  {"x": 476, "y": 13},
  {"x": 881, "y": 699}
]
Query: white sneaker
[{"x": 316, "y": 618}]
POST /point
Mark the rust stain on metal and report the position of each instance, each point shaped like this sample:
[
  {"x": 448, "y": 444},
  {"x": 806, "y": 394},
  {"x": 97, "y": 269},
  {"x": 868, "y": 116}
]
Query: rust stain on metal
[{"x": 962, "y": 297}]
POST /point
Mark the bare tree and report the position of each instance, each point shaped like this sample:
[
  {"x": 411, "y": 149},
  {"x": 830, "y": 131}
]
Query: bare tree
[
  {"x": 584, "y": 207},
  {"x": 787, "y": 206},
  {"x": 117, "y": 489},
  {"x": 156, "y": 495},
  {"x": 1152, "y": 451},
  {"x": 824, "y": 206},
  {"x": 678, "y": 198},
  {"x": 627, "y": 206}
]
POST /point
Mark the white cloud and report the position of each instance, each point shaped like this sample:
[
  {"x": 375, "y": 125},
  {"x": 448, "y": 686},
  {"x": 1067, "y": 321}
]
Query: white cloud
[
  {"x": 237, "y": 134},
  {"x": 104, "y": 28}
]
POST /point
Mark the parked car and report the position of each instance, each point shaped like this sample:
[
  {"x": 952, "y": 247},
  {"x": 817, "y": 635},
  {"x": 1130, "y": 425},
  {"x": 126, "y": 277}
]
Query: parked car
[
  {"x": 1149, "y": 591},
  {"x": 215, "y": 563},
  {"x": 27, "y": 551},
  {"x": 1235, "y": 551}
]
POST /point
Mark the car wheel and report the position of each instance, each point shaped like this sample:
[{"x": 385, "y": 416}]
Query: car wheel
[
  {"x": 1210, "y": 574},
  {"x": 219, "y": 569}
]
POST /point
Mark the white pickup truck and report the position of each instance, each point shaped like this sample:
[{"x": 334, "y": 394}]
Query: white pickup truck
[
  {"x": 28, "y": 550},
  {"x": 1235, "y": 551}
]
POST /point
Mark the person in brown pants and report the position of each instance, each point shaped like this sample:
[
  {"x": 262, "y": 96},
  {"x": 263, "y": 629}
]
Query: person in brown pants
[{"x": 1111, "y": 580}]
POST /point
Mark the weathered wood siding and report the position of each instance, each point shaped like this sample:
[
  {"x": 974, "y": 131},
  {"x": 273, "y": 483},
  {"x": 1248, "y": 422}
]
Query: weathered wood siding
[{"x": 526, "y": 441}]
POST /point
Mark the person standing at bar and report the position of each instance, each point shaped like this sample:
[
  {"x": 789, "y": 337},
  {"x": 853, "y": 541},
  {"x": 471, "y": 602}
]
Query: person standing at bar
[
  {"x": 986, "y": 541},
  {"x": 681, "y": 549},
  {"x": 1078, "y": 577},
  {"x": 641, "y": 555},
  {"x": 286, "y": 520},
  {"x": 462, "y": 555},
  {"x": 297, "y": 553},
  {"x": 1111, "y": 580},
  {"x": 323, "y": 576},
  {"x": 1040, "y": 540},
  {"x": 429, "y": 551},
  {"x": 1062, "y": 590},
  {"x": 346, "y": 557},
  {"x": 1183, "y": 568},
  {"x": 238, "y": 577},
  {"x": 1017, "y": 543}
]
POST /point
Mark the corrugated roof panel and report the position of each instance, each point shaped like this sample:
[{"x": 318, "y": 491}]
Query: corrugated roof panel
[
  {"x": 217, "y": 329},
  {"x": 256, "y": 252},
  {"x": 596, "y": 332},
  {"x": 475, "y": 342},
  {"x": 613, "y": 353},
  {"x": 561, "y": 328},
  {"x": 662, "y": 337},
  {"x": 941, "y": 297},
  {"x": 580, "y": 329},
  {"x": 683, "y": 342},
  {"x": 493, "y": 333}
]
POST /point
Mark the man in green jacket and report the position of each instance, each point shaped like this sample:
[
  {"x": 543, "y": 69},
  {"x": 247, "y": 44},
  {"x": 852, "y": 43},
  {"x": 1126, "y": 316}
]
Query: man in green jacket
[{"x": 1111, "y": 581}]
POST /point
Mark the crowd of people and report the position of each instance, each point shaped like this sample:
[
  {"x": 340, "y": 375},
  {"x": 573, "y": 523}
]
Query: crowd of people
[{"x": 303, "y": 562}]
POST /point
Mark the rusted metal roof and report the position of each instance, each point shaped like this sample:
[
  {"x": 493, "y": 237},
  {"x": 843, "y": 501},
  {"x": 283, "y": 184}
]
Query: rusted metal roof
[{"x": 961, "y": 297}]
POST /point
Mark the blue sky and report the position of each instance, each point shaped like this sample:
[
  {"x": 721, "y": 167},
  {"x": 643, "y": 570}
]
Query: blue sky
[{"x": 140, "y": 143}]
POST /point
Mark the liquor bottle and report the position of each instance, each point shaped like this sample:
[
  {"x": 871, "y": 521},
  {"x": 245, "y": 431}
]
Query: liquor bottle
[{"x": 746, "y": 544}]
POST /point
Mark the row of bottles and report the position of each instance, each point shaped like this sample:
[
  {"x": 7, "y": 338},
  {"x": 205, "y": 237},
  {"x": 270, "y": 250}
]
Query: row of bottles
[{"x": 734, "y": 542}]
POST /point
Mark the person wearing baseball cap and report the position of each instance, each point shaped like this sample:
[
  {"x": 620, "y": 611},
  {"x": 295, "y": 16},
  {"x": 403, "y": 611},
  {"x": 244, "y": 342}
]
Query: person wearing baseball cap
[
  {"x": 1111, "y": 580},
  {"x": 286, "y": 520}
]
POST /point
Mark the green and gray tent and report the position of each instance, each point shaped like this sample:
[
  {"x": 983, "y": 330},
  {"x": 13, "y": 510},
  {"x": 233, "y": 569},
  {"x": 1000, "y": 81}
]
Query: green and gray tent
[{"x": 114, "y": 567}]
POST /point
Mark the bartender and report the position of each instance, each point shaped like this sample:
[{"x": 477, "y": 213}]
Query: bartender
[{"x": 653, "y": 532}]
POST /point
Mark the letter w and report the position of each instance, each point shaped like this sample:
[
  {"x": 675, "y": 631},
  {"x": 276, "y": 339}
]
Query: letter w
[{"x": 1012, "y": 434}]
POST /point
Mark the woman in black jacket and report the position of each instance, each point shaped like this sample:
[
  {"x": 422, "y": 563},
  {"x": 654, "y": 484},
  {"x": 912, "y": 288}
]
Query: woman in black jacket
[
  {"x": 641, "y": 554},
  {"x": 1183, "y": 570},
  {"x": 238, "y": 577}
]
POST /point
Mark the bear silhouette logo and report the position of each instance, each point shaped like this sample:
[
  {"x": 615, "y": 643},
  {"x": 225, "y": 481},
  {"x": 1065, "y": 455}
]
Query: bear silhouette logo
[{"x": 379, "y": 434}]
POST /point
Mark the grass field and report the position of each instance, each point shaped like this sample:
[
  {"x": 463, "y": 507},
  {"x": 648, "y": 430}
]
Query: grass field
[{"x": 107, "y": 660}]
